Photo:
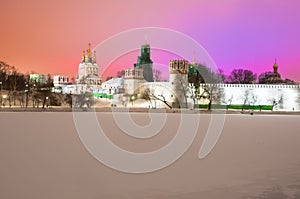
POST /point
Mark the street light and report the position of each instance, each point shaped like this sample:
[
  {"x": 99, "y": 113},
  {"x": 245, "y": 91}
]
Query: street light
[
  {"x": 1, "y": 93},
  {"x": 124, "y": 101},
  {"x": 4, "y": 100},
  {"x": 27, "y": 93},
  {"x": 47, "y": 103},
  {"x": 132, "y": 98}
]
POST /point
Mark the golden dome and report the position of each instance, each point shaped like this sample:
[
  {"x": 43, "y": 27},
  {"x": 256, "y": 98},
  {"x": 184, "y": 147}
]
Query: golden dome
[{"x": 275, "y": 64}]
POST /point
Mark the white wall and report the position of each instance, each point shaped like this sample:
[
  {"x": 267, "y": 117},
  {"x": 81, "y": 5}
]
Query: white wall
[{"x": 263, "y": 94}]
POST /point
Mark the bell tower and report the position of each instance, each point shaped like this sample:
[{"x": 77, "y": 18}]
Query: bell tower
[{"x": 144, "y": 62}]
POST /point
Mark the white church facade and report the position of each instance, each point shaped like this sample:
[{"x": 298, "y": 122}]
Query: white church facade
[{"x": 88, "y": 79}]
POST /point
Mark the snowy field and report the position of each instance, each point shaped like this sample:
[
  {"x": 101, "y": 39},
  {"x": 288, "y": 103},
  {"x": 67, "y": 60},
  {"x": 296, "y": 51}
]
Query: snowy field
[{"x": 257, "y": 157}]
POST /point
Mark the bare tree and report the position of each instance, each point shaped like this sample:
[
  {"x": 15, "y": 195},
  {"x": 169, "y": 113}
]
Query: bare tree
[
  {"x": 246, "y": 97},
  {"x": 194, "y": 80},
  {"x": 265, "y": 78},
  {"x": 271, "y": 78},
  {"x": 80, "y": 100},
  {"x": 157, "y": 75},
  {"x": 68, "y": 100},
  {"x": 183, "y": 88},
  {"x": 228, "y": 101},
  {"x": 20, "y": 95},
  {"x": 194, "y": 94},
  {"x": 241, "y": 76},
  {"x": 212, "y": 93},
  {"x": 203, "y": 78},
  {"x": 4, "y": 68},
  {"x": 120, "y": 73},
  {"x": 36, "y": 99},
  {"x": 249, "y": 99},
  {"x": 277, "y": 101},
  {"x": 46, "y": 90},
  {"x": 149, "y": 96}
]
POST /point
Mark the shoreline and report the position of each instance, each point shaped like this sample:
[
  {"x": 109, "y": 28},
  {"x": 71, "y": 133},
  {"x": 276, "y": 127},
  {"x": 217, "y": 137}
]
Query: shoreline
[{"x": 145, "y": 110}]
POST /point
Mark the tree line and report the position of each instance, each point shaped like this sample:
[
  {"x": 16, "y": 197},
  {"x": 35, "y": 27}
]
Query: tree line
[
  {"x": 237, "y": 76},
  {"x": 17, "y": 89}
]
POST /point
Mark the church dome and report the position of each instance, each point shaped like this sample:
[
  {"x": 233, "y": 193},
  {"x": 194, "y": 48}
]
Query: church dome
[{"x": 275, "y": 64}]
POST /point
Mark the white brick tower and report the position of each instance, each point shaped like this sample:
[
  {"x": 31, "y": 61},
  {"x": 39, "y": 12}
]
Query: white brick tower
[{"x": 179, "y": 82}]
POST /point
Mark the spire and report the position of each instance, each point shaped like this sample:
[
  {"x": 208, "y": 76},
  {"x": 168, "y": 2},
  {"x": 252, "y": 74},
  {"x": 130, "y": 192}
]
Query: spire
[
  {"x": 275, "y": 64},
  {"x": 88, "y": 52},
  {"x": 194, "y": 58},
  {"x": 275, "y": 67},
  {"x": 83, "y": 57},
  {"x": 146, "y": 39},
  {"x": 94, "y": 57}
]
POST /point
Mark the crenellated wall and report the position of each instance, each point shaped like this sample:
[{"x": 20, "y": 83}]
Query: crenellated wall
[{"x": 283, "y": 97}]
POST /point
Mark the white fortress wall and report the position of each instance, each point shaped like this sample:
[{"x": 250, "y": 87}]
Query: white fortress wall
[{"x": 283, "y": 97}]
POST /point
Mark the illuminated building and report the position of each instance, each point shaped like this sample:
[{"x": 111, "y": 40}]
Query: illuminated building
[
  {"x": 132, "y": 80},
  {"x": 144, "y": 62},
  {"x": 37, "y": 78},
  {"x": 88, "y": 79},
  {"x": 179, "y": 82}
]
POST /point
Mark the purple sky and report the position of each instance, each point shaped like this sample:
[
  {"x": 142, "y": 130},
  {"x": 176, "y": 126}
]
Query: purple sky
[{"x": 49, "y": 36}]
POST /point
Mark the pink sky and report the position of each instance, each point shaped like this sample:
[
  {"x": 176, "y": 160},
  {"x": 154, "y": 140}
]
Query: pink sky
[{"x": 49, "y": 36}]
